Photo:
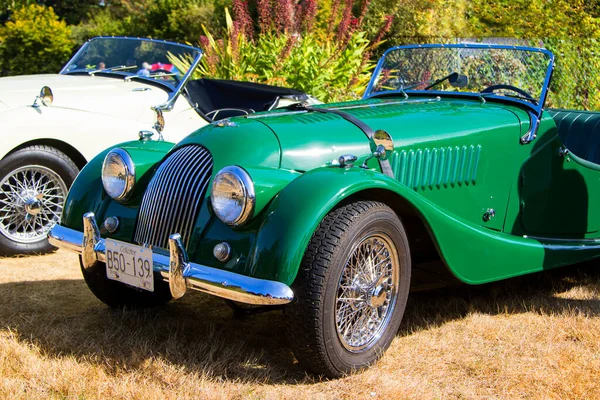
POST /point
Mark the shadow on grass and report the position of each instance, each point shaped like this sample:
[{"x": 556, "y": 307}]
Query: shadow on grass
[
  {"x": 537, "y": 293},
  {"x": 199, "y": 334}
]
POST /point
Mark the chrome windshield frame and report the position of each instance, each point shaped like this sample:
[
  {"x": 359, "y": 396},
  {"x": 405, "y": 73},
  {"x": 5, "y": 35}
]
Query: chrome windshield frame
[{"x": 173, "y": 91}]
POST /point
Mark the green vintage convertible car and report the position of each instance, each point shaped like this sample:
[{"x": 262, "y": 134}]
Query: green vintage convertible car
[{"x": 450, "y": 167}]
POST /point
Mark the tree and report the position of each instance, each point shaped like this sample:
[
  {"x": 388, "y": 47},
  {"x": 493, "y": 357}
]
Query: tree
[
  {"x": 7, "y": 7},
  {"x": 534, "y": 18},
  {"x": 176, "y": 20},
  {"x": 34, "y": 41},
  {"x": 72, "y": 11}
]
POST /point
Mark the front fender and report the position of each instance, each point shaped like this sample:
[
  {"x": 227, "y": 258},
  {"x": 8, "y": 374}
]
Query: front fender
[
  {"x": 86, "y": 131},
  {"x": 473, "y": 253},
  {"x": 295, "y": 213},
  {"x": 87, "y": 193}
]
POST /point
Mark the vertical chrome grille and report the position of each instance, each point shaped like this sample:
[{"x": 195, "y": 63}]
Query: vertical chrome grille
[{"x": 174, "y": 197}]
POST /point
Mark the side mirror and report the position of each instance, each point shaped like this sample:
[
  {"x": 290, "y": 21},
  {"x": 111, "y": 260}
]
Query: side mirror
[
  {"x": 382, "y": 144},
  {"x": 458, "y": 80},
  {"x": 159, "y": 124},
  {"x": 46, "y": 96}
]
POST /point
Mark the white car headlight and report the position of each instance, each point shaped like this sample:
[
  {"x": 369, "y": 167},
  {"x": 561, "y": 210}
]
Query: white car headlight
[
  {"x": 118, "y": 174},
  {"x": 232, "y": 195}
]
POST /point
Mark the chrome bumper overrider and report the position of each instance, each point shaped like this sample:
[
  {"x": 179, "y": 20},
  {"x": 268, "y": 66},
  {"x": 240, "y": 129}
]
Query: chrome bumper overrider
[{"x": 176, "y": 268}]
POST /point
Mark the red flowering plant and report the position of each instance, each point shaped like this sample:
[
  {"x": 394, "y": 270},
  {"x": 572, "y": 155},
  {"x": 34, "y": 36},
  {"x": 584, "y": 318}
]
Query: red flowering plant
[{"x": 285, "y": 46}]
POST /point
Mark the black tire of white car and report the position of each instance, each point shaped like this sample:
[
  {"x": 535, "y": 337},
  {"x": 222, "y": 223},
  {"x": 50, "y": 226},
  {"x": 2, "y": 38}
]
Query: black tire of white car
[
  {"x": 119, "y": 295},
  {"x": 30, "y": 208},
  {"x": 344, "y": 317}
]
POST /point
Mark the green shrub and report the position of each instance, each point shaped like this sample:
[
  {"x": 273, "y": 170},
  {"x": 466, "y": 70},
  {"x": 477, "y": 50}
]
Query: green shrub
[
  {"x": 34, "y": 41},
  {"x": 575, "y": 82}
]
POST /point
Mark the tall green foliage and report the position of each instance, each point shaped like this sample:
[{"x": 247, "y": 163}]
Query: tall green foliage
[
  {"x": 34, "y": 41},
  {"x": 290, "y": 51}
]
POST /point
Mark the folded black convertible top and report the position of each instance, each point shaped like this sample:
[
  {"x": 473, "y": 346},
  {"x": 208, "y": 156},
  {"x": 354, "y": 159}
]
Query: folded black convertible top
[{"x": 213, "y": 94}]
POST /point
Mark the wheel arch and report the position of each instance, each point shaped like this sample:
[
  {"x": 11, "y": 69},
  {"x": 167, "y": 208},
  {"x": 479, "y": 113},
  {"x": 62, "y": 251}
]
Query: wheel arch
[
  {"x": 295, "y": 213},
  {"x": 64, "y": 147},
  {"x": 421, "y": 238}
]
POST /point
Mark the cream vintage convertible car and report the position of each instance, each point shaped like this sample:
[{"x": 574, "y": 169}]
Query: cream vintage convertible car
[{"x": 113, "y": 88}]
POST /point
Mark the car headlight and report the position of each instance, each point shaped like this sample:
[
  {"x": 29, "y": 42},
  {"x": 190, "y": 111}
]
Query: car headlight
[
  {"x": 232, "y": 195},
  {"x": 118, "y": 174}
]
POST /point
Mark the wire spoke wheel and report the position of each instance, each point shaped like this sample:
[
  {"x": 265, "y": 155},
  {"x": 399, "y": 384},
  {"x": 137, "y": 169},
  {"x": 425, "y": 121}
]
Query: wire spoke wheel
[
  {"x": 351, "y": 289},
  {"x": 366, "y": 294},
  {"x": 31, "y": 202}
]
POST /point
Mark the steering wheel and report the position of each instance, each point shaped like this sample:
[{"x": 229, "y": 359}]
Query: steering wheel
[
  {"x": 212, "y": 115},
  {"x": 170, "y": 74},
  {"x": 493, "y": 88}
]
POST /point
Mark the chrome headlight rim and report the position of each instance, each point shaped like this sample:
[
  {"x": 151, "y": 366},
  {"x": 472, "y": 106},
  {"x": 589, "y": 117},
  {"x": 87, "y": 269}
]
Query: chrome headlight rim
[
  {"x": 247, "y": 186},
  {"x": 129, "y": 167}
]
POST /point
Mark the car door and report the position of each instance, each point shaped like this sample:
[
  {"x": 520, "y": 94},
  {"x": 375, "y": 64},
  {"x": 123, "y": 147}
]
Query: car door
[{"x": 557, "y": 188}]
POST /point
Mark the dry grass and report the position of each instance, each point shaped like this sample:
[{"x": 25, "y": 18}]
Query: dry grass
[{"x": 531, "y": 337}]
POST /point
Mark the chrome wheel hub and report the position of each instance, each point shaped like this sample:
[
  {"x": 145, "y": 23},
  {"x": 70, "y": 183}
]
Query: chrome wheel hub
[
  {"x": 366, "y": 295},
  {"x": 31, "y": 202},
  {"x": 33, "y": 206},
  {"x": 377, "y": 296}
]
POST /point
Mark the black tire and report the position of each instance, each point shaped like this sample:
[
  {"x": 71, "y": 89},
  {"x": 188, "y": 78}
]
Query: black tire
[
  {"x": 315, "y": 337},
  {"x": 44, "y": 158},
  {"x": 118, "y": 295}
]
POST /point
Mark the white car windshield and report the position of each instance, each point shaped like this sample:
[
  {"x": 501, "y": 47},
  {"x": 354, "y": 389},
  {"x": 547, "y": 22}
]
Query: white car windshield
[
  {"x": 515, "y": 73},
  {"x": 133, "y": 58}
]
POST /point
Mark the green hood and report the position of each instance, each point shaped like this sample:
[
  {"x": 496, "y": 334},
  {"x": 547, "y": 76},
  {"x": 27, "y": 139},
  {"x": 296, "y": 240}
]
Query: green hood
[
  {"x": 247, "y": 143},
  {"x": 309, "y": 140},
  {"x": 302, "y": 141}
]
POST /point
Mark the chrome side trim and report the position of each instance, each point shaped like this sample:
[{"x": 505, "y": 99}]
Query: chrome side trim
[
  {"x": 342, "y": 108},
  {"x": 562, "y": 240},
  {"x": 225, "y": 284},
  {"x": 388, "y": 103},
  {"x": 274, "y": 114}
]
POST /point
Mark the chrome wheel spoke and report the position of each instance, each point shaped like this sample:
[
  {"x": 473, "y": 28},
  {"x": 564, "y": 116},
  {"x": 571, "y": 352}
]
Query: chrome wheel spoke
[
  {"x": 366, "y": 292},
  {"x": 31, "y": 202}
]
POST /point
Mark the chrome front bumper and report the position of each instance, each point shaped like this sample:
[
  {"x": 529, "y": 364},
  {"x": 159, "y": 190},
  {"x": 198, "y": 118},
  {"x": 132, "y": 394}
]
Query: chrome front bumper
[{"x": 176, "y": 268}]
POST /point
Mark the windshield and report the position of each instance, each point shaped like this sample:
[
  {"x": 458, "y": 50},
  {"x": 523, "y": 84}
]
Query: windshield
[
  {"x": 132, "y": 58},
  {"x": 518, "y": 73}
]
